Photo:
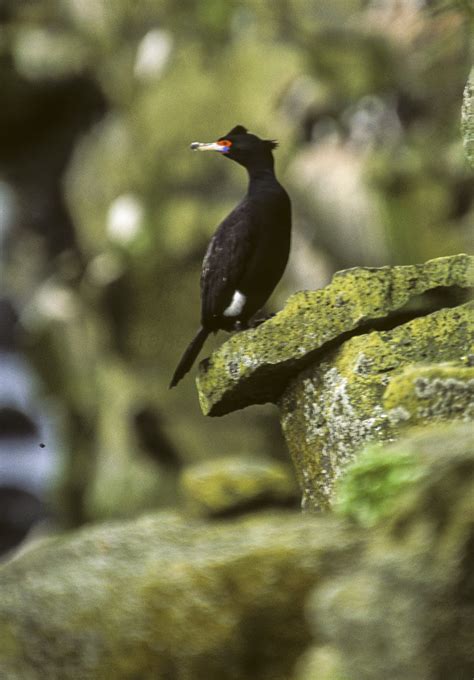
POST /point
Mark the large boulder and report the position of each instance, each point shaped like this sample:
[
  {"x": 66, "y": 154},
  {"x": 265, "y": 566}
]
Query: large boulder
[{"x": 168, "y": 597}]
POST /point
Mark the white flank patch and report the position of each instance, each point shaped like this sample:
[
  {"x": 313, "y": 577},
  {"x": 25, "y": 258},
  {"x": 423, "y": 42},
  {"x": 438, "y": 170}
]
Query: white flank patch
[{"x": 237, "y": 304}]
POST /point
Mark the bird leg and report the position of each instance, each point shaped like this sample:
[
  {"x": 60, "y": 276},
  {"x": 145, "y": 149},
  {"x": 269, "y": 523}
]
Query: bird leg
[{"x": 258, "y": 319}]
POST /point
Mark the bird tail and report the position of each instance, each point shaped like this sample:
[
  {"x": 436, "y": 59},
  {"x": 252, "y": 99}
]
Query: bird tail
[{"x": 190, "y": 355}]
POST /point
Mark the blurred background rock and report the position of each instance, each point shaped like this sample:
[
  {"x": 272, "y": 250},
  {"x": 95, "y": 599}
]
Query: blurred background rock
[{"x": 105, "y": 215}]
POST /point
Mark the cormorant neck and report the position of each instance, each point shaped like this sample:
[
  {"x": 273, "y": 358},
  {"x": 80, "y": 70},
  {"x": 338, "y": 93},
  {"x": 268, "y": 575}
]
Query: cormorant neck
[{"x": 261, "y": 170}]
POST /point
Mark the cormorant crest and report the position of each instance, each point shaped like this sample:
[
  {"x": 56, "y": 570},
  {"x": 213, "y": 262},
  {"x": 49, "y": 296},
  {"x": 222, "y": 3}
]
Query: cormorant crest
[
  {"x": 238, "y": 130},
  {"x": 241, "y": 130}
]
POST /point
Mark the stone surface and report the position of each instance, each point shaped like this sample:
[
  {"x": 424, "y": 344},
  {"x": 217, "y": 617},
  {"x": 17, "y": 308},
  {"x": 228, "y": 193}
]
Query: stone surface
[
  {"x": 228, "y": 486},
  {"x": 167, "y": 597},
  {"x": 431, "y": 392},
  {"x": 405, "y": 609},
  {"x": 467, "y": 118},
  {"x": 370, "y": 389},
  {"x": 254, "y": 366}
]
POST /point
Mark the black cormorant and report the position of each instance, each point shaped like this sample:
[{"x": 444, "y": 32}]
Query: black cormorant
[{"x": 247, "y": 255}]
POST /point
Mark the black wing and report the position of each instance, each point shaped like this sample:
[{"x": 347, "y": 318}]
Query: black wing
[{"x": 225, "y": 260}]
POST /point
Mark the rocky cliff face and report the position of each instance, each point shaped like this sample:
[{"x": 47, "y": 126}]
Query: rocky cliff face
[{"x": 376, "y": 351}]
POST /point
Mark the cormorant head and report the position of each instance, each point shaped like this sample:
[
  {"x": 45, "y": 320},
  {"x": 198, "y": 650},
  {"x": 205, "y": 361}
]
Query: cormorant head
[{"x": 241, "y": 146}]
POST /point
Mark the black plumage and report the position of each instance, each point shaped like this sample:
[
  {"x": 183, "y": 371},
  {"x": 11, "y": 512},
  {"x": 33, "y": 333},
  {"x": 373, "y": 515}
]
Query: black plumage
[{"x": 247, "y": 255}]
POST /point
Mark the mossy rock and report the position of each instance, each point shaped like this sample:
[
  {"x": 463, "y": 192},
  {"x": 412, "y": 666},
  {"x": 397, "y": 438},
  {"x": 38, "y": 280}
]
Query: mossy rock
[
  {"x": 229, "y": 486},
  {"x": 168, "y": 597},
  {"x": 431, "y": 392},
  {"x": 254, "y": 366},
  {"x": 382, "y": 475},
  {"x": 370, "y": 389},
  {"x": 404, "y": 610}
]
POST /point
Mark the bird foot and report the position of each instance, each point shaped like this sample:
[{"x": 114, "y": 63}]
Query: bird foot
[
  {"x": 258, "y": 320},
  {"x": 252, "y": 323}
]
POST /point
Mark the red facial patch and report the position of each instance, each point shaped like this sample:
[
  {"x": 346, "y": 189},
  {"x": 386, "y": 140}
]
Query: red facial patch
[{"x": 224, "y": 142}]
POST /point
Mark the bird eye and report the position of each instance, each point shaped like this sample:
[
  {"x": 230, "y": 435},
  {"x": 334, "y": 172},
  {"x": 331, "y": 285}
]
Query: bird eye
[{"x": 225, "y": 142}]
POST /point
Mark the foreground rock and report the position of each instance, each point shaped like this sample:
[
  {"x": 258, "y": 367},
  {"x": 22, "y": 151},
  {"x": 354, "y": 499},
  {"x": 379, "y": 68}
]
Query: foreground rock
[
  {"x": 167, "y": 597},
  {"x": 405, "y": 609},
  {"x": 389, "y": 584}
]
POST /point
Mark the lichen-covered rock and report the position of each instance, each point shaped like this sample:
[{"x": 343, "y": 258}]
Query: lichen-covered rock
[
  {"x": 405, "y": 609},
  {"x": 370, "y": 388},
  {"x": 168, "y": 597},
  {"x": 254, "y": 367},
  {"x": 229, "y": 486},
  {"x": 431, "y": 392},
  {"x": 468, "y": 118}
]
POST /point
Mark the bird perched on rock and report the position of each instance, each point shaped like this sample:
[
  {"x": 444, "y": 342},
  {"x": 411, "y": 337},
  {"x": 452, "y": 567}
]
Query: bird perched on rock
[{"x": 247, "y": 255}]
